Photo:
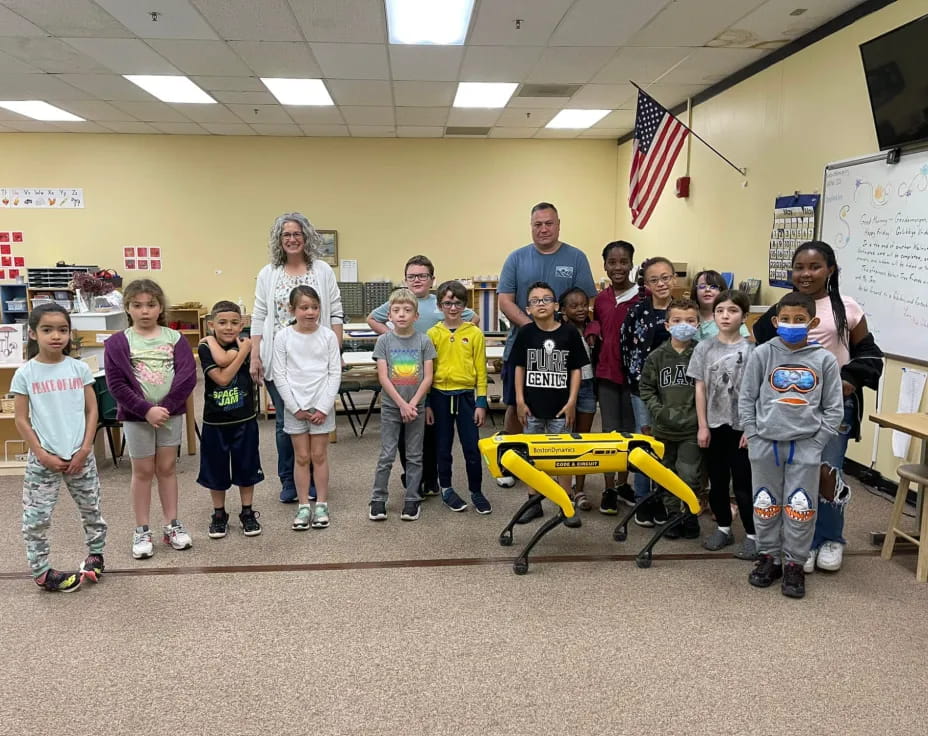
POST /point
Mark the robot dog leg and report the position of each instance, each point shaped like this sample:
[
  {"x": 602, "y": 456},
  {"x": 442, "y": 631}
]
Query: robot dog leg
[{"x": 645, "y": 462}]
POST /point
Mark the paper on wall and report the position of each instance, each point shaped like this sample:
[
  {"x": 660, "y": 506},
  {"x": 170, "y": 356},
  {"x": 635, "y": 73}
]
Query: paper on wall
[
  {"x": 348, "y": 269},
  {"x": 911, "y": 388}
]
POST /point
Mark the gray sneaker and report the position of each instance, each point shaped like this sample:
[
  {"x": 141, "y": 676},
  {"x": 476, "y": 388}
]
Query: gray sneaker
[
  {"x": 717, "y": 540},
  {"x": 747, "y": 550}
]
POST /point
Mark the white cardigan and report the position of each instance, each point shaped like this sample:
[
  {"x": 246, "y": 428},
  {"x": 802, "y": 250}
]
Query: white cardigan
[{"x": 265, "y": 311}]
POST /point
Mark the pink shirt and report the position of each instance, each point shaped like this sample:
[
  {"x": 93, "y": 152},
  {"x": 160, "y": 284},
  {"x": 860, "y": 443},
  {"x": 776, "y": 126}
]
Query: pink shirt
[{"x": 827, "y": 334}]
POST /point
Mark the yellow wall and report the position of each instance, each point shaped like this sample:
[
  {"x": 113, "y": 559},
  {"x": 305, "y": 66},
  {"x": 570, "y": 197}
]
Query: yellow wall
[
  {"x": 784, "y": 125},
  {"x": 209, "y": 202}
]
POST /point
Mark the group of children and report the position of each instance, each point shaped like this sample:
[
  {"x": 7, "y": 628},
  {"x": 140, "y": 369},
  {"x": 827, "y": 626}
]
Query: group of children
[{"x": 757, "y": 417}]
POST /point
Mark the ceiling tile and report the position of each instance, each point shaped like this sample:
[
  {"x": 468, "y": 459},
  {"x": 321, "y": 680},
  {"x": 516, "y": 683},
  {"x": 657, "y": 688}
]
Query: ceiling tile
[
  {"x": 673, "y": 94},
  {"x": 352, "y": 60},
  {"x": 244, "y": 98},
  {"x": 12, "y": 24},
  {"x": 228, "y": 128},
  {"x": 324, "y": 130},
  {"x": 498, "y": 63},
  {"x": 272, "y": 114},
  {"x": 71, "y": 18},
  {"x": 180, "y": 128},
  {"x": 495, "y": 22},
  {"x": 419, "y": 131},
  {"x": 772, "y": 23},
  {"x": 247, "y": 20},
  {"x": 11, "y": 65},
  {"x": 343, "y": 21},
  {"x": 106, "y": 86},
  {"x": 4, "y": 129},
  {"x": 570, "y": 64},
  {"x": 211, "y": 58},
  {"x": 123, "y": 55},
  {"x": 472, "y": 116},
  {"x": 513, "y": 132},
  {"x": 200, "y": 113},
  {"x": 692, "y": 22},
  {"x": 372, "y": 131},
  {"x": 279, "y": 129},
  {"x": 426, "y": 63},
  {"x": 368, "y": 115},
  {"x": 360, "y": 91},
  {"x": 617, "y": 119},
  {"x": 604, "y": 22},
  {"x": 31, "y": 126},
  {"x": 424, "y": 94},
  {"x": 126, "y": 127},
  {"x": 98, "y": 110},
  {"x": 50, "y": 55},
  {"x": 268, "y": 59},
  {"x": 548, "y": 103},
  {"x": 710, "y": 65},
  {"x": 642, "y": 65},
  {"x": 421, "y": 116},
  {"x": 603, "y": 97},
  {"x": 151, "y": 112},
  {"x": 604, "y": 132},
  {"x": 37, "y": 87},
  {"x": 557, "y": 133},
  {"x": 516, "y": 117},
  {"x": 314, "y": 115},
  {"x": 87, "y": 127},
  {"x": 176, "y": 19},
  {"x": 232, "y": 84}
]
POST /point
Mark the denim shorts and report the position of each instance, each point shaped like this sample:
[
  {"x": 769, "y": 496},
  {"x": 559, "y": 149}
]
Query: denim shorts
[
  {"x": 534, "y": 425},
  {"x": 586, "y": 398}
]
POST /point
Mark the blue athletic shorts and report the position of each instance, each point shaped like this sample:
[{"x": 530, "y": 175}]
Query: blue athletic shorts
[{"x": 229, "y": 456}]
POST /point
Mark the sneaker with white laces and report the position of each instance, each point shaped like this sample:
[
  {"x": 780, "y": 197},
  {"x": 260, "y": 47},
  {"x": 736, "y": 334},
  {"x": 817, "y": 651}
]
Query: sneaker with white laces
[
  {"x": 507, "y": 481},
  {"x": 808, "y": 566},
  {"x": 142, "y": 547},
  {"x": 304, "y": 515},
  {"x": 830, "y": 556},
  {"x": 175, "y": 534},
  {"x": 320, "y": 515}
]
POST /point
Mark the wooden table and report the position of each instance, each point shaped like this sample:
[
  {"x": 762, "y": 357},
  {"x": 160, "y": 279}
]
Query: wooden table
[{"x": 912, "y": 424}]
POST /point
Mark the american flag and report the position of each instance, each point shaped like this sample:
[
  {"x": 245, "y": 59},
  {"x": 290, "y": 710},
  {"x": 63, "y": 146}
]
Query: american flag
[{"x": 659, "y": 138}]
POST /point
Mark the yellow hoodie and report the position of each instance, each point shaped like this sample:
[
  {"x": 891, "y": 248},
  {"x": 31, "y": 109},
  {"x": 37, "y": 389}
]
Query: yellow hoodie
[{"x": 461, "y": 362}]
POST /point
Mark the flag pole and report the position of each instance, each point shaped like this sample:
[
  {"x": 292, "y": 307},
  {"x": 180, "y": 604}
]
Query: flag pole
[{"x": 743, "y": 172}]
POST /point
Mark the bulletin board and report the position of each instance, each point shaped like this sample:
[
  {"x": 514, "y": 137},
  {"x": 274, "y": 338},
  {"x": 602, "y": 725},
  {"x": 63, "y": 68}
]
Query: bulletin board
[{"x": 794, "y": 221}]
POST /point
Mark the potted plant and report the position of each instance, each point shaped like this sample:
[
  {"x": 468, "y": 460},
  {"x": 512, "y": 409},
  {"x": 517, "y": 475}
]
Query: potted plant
[{"x": 87, "y": 286}]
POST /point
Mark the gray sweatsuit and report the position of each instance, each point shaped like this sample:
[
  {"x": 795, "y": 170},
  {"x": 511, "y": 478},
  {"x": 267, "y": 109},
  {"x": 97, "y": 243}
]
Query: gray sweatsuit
[{"x": 790, "y": 406}]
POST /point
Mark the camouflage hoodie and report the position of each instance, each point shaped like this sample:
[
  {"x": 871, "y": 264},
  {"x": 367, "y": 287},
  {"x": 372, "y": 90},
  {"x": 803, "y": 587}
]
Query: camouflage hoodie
[{"x": 669, "y": 393}]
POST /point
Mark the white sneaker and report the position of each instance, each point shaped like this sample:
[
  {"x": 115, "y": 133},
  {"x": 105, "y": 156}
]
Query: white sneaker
[
  {"x": 141, "y": 543},
  {"x": 808, "y": 566},
  {"x": 830, "y": 556},
  {"x": 176, "y": 535},
  {"x": 507, "y": 481}
]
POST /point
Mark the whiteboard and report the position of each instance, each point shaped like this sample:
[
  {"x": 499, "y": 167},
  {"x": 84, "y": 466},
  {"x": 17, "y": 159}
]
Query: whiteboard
[{"x": 875, "y": 216}]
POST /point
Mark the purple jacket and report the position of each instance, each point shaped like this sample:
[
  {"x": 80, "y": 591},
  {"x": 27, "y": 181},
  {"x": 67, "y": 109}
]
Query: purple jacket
[{"x": 124, "y": 387}]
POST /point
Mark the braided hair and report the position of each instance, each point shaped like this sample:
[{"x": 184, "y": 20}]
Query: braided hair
[{"x": 831, "y": 286}]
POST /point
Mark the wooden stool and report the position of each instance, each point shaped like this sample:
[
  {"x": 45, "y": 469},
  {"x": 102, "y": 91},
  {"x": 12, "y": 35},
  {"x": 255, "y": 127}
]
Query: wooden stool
[{"x": 917, "y": 474}]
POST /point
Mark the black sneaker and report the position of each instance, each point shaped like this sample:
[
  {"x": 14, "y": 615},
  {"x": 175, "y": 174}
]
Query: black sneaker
[
  {"x": 92, "y": 567},
  {"x": 250, "y": 525},
  {"x": 378, "y": 511},
  {"x": 573, "y": 522},
  {"x": 659, "y": 512},
  {"x": 690, "y": 526},
  {"x": 765, "y": 571},
  {"x": 626, "y": 494},
  {"x": 794, "y": 581},
  {"x": 60, "y": 582},
  {"x": 674, "y": 532},
  {"x": 609, "y": 504},
  {"x": 218, "y": 524},
  {"x": 427, "y": 490},
  {"x": 644, "y": 516},
  {"x": 481, "y": 503},
  {"x": 410, "y": 510},
  {"x": 530, "y": 514}
]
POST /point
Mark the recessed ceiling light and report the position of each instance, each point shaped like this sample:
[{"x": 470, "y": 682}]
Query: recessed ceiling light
[
  {"x": 577, "y": 118},
  {"x": 170, "y": 88},
  {"x": 429, "y": 21},
  {"x": 298, "y": 91},
  {"x": 484, "y": 94},
  {"x": 39, "y": 110}
]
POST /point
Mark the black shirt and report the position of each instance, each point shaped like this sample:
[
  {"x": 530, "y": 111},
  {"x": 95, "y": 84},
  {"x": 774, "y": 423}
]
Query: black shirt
[
  {"x": 548, "y": 359},
  {"x": 232, "y": 404}
]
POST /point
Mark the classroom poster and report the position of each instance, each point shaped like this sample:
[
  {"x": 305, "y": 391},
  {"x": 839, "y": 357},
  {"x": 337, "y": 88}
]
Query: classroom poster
[
  {"x": 141, "y": 258},
  {"x": 30, "y": 198}
]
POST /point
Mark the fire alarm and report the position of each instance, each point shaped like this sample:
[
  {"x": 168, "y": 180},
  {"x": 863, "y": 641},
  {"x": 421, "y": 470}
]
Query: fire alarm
[{"x": 683, "y": 187}]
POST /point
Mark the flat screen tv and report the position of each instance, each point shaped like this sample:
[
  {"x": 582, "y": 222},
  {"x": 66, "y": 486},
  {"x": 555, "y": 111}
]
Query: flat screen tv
[{"x": 897, "y": 80}]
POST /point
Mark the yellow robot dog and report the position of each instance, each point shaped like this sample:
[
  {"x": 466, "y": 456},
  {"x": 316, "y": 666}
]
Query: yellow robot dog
[{"x": 534, "y": 458}]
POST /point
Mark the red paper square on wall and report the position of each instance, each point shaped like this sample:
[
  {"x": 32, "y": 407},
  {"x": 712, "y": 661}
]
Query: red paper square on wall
[
  {"x": 4, "y": 237},
  {"x": 128, "y": 252},
  {"x": 6, "y": 249},
  {"x": 19, "y": 261},
  {"x": 14, "y": 273},
  {"x": 6, "y": 261},
  {"x": 142, "y": 264},
  {"x": 154, "y": 252},
  {"x": 142, "y": 252},
  {"x": 155, "y": 264},
  {"x": 2, "y": 274},
  {"x": 17, "y": 237}
]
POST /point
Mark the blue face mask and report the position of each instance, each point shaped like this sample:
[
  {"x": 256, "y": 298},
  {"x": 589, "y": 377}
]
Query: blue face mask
[
  {"x": 793, "y": 333},
  {"x": 682, "y": 331}
]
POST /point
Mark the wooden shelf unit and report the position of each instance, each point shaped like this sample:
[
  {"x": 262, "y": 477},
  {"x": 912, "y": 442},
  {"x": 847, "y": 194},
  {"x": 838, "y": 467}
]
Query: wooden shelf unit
[{"x": 189, "y": 323}]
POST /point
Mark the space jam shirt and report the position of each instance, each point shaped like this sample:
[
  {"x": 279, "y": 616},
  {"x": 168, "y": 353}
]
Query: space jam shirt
[
  {"x": 405, "y": 357},
  {"x": 232, "y": 404},
  {"x": 548, "y": 359}
]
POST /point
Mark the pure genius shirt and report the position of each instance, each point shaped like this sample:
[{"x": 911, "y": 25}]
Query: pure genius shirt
[
  {"x": 548, "y": 359},
  {"x": 232, "y": 404}
]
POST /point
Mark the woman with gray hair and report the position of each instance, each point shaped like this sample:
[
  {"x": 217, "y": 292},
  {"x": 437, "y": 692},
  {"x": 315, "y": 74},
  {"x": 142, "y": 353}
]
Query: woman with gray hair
[{"x": 294, "y": 261}]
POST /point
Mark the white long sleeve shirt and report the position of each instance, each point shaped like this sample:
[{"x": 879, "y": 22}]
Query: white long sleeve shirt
[{"x": 307, "y": 369}]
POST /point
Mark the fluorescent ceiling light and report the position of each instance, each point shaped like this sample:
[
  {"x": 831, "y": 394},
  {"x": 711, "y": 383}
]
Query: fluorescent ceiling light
[
  {"x": 298, "y": 91},
  {"x": 169, "y": 88},
  {"x": 39, "y": 110},
  {"x": 577, "y": 118},
  {"x": 484, "y": 94},
  {"x": 439, "y": 22}
]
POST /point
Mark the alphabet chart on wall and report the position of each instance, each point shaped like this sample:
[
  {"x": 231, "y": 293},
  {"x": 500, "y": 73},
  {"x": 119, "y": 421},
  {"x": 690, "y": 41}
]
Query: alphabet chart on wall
[{"x": 793, "y": 224}]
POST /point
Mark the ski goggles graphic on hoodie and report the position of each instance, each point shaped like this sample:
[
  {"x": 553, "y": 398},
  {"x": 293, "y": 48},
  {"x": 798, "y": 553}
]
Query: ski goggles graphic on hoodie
[{"x": 793, "y": 379}]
